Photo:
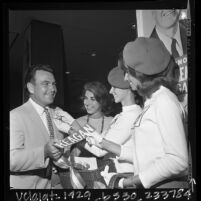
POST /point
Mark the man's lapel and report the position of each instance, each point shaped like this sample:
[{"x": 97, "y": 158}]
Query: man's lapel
[{"x": 34, "y": 116}]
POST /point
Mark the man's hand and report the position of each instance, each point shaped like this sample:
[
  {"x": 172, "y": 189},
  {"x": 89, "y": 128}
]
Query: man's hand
[
  {"x": 51, "y": 151},
  {"x": 107, "y": 176}
]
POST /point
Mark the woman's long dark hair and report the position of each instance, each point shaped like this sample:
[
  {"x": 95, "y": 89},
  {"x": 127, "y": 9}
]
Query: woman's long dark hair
[{"x": 101, "y": 95}]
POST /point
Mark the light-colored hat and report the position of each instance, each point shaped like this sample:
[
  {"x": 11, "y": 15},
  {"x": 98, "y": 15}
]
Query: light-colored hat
[
  {"x": 116, "y": 78},
  {"x": 146, "y": 55}
]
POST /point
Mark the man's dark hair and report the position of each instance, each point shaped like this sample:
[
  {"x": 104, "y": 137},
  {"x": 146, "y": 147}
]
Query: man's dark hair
[{"x": 31, "y": 71}]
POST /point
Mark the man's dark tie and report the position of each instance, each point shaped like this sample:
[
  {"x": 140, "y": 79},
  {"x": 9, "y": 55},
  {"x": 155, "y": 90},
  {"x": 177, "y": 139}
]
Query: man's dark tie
[
  {"x": 51, "y": 130},
  {"x": 175, "y": 53}
]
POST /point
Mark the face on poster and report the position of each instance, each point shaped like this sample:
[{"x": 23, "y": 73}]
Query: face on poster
[{"x": 168, "y": 25}]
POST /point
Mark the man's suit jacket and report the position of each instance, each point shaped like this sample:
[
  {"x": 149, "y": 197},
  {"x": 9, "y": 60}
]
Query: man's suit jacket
[
  {"x": 28, "y": 135},
  {"x": 183, "y": 37}
]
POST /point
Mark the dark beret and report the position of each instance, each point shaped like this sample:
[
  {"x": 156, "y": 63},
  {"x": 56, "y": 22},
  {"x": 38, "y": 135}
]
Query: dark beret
[
  {"x": 146, "y": 55},
  {"x": 116, "y": 78}
]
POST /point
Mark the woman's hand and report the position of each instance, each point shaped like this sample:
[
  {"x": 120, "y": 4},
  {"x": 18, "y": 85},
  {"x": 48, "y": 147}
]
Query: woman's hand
[
  {"x": 62, "y": 120},
  {"x": 63, "y": 115},
  {"x": 95, "y": 139},
  {"x": 62, "y": 126}
]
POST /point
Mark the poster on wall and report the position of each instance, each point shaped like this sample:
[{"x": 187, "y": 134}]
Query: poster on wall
[{"x": 170, "y": 26}]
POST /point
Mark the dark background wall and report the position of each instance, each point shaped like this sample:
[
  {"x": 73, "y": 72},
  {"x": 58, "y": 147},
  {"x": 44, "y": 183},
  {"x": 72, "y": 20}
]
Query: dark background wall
[
  {"x": 84, "y": 47},
  {"x": 16, "y": 73},
  {"x": 47, "y": 47}
]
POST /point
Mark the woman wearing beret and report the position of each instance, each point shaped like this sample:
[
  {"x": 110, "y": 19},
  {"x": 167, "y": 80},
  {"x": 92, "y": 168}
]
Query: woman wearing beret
[
  {"x": 160, "y": 154},
  {"x": 120, "y": 127}
]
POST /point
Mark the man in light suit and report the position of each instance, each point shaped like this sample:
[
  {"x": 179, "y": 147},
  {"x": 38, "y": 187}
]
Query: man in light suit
[{"x": 31, "y": 148}]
